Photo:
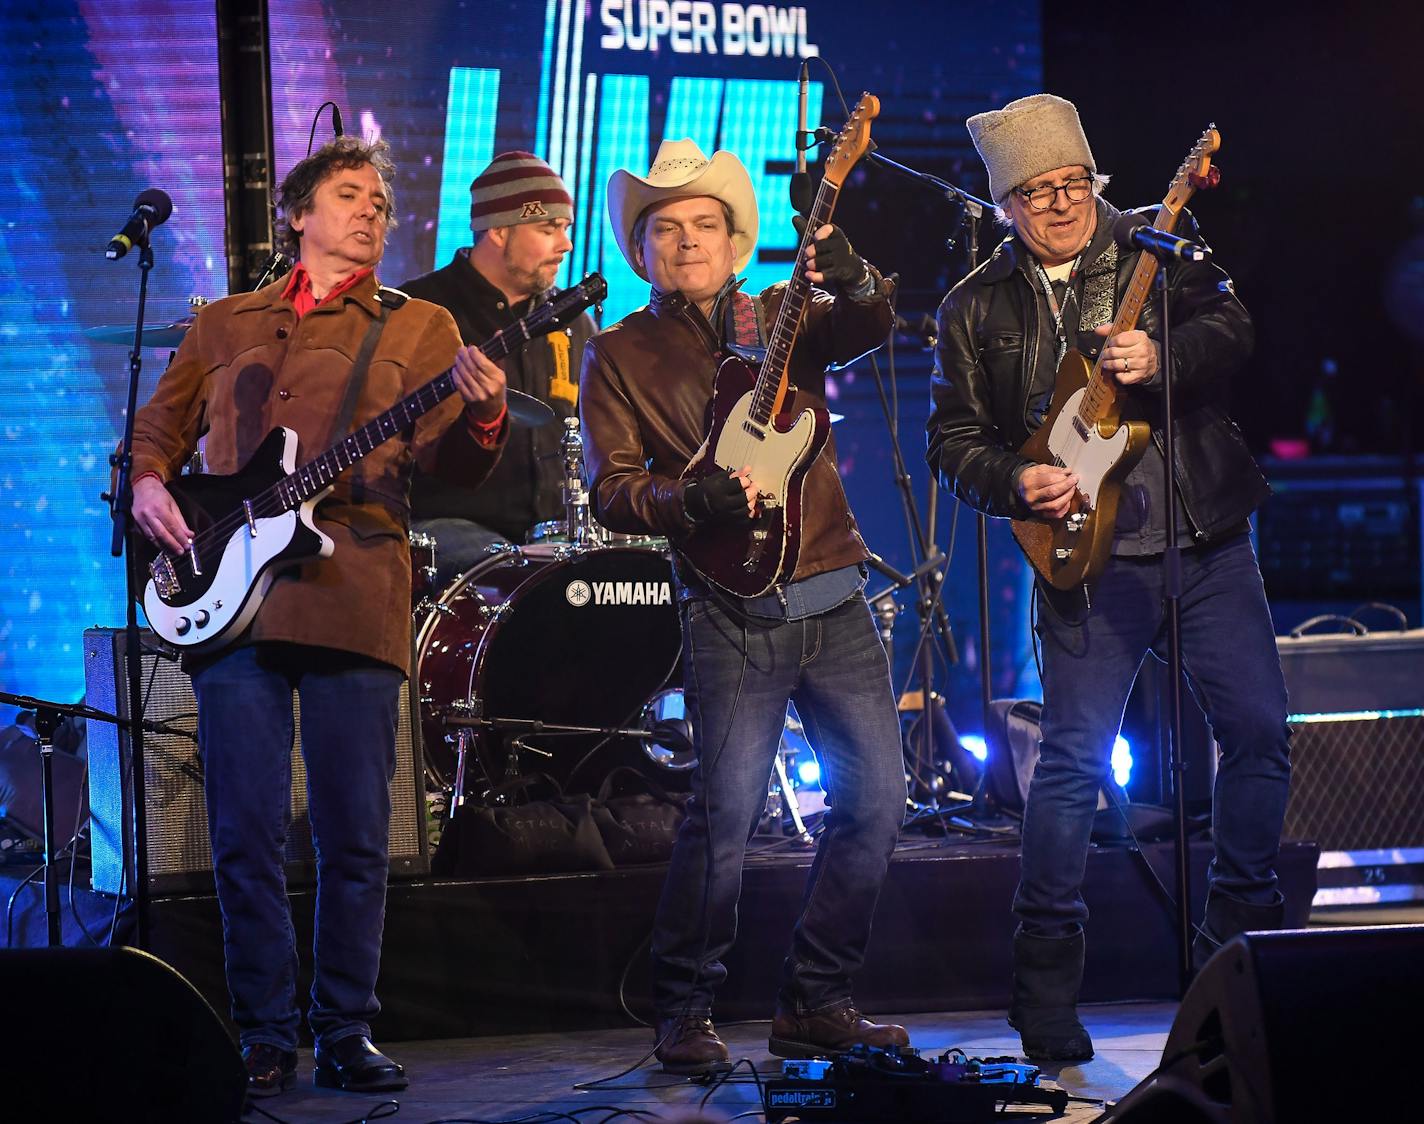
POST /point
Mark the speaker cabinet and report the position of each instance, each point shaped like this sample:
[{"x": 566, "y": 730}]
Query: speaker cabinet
[
  {"x": 179, "y": 853},
  {"x": 114, "y": 1034},
  {"x": 1290, "y": 1026}
]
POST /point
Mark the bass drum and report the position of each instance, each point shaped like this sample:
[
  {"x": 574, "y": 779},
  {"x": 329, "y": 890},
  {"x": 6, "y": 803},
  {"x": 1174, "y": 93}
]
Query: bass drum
[{"x": 536, "y": 634}]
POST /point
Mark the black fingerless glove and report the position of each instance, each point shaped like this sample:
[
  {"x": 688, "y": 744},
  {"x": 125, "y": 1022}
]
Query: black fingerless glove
[
  {"x": 715, "y": 498},
  {"x": 836, "y": 260}
]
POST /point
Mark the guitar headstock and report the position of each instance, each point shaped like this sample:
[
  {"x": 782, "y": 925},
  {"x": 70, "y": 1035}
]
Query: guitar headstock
[
  {"x": 853, "y": 141},
  {"x": 1196, "y": 171}
]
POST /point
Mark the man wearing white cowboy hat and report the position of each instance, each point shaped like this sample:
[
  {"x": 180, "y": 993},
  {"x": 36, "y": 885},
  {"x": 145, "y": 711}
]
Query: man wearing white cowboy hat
[
  {"x": 688, "y": 227},
  {"x": 1055, "y": 283}
]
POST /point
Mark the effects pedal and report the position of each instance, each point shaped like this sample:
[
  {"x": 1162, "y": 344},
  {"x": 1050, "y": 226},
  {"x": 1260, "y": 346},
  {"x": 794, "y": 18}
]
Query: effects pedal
[{"x": 873, "y": 1086}]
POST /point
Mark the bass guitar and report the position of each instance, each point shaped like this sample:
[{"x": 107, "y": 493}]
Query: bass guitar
[
  {"x": 249, "y": 525},
  {"x": 1082, "y": 431},
  {"x": 754, "y": 421}
]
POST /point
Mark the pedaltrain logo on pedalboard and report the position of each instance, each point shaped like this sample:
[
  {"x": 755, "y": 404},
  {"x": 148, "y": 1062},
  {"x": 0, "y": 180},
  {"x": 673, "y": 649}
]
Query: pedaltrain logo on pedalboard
[
  {"x": 579, "y": 593},
  {"x": 699, "y": 27}
]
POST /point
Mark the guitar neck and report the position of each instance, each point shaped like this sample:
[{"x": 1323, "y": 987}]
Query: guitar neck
[
  {"x": 1100, "y": 403},
  {"x": 771, "y": 385},
  {"x": 318, "y": 473}
]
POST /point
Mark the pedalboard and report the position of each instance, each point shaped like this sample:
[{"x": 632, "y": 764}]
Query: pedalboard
[{"x": 874, "y": 1086}]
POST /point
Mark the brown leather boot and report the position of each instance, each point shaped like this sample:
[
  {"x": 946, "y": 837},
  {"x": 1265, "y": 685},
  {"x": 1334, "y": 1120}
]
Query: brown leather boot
[
  {"x": 832, "y": 1030},
  {"x": 688, "y": 1046}
]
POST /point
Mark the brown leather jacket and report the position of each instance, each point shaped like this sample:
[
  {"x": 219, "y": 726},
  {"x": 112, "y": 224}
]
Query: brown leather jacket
[
  {"x": 248, "y": 365},
  {"x": 643, "y": 397}
]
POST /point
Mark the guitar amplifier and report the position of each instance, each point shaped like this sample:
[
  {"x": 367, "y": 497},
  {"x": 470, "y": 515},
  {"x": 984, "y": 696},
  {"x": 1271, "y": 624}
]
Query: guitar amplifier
[
  {"x": 179, "y": 853},
  {"x": 1357, "y": 762}
]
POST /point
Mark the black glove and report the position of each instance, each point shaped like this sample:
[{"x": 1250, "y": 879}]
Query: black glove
[
  {"x": 716, "y": 497},
  {"x": 836, "y": 260}
]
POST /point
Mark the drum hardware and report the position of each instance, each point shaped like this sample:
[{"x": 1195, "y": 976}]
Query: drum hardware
[
  {"x": 423, "y": 572},
  {"x": 781, "y": 800},
  {"x": 568, "y": 647}
]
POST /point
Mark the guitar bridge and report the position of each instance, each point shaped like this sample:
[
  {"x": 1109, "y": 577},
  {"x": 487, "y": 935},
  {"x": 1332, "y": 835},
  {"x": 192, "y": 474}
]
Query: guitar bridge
[
  {"x": 758, "y": 548},
  {"x": 165, "y": 578}
]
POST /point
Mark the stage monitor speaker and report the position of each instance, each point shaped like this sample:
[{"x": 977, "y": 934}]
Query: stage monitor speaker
[
  {"x": 179, "y": 852},
  {"x": 1291, "y": 1026},
  {"x": 113, "y": 1034}
]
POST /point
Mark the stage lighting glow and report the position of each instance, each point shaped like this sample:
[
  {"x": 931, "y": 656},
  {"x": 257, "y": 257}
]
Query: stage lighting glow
[
  {"x": 809, "y": 771},
  {"x": 1122, "y": 760},
  {"x": 974, "y": 743}
]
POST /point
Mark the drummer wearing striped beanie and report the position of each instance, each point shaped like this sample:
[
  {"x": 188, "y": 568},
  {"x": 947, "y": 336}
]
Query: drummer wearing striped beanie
[{"x": 521, "y": 213}]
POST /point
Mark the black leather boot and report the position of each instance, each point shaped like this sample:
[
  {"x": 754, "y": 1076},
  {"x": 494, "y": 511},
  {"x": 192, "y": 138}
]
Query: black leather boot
[
  {"x": 1048, "y": 972},
  {"x": 1229, "y": 917}
]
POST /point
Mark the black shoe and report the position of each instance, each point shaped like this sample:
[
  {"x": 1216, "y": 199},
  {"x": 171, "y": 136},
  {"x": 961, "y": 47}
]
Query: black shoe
[
  {"x": 353, "y": 1064},
  {"x": 270, "y": 1069},
  {"x": 1044, "y": 1009}
]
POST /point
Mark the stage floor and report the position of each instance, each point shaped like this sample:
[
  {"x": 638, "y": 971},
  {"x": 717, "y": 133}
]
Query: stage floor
[{"x": 491, "y": 1079}]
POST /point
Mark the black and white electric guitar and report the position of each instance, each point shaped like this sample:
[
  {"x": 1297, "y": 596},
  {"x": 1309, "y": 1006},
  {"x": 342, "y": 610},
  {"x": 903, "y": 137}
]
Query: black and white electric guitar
[{"x": 259, "y": 520}]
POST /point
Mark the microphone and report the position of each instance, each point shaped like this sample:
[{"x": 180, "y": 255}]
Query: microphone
[
  {"x": 150, "y": 209},
  {"x": 336, "y": 121},
  {"x": 1132, "y": 232},
  {"x": 801, "y": 179}
]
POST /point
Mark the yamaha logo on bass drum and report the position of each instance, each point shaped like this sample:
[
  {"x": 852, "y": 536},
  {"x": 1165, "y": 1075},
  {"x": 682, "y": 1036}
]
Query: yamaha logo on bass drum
[{"x": 618, "y": 593}]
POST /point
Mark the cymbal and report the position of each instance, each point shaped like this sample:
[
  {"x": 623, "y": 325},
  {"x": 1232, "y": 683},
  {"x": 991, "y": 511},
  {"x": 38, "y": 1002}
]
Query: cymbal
[
  {"x": 154, "y": 335},
  {"x": 526, "y": 410}
]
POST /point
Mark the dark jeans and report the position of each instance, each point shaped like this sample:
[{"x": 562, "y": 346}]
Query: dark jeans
[
  {"x": 349, "y": 708},
  {"x": 1229, "y": 654},
  {"x": 738, "y": 678}
]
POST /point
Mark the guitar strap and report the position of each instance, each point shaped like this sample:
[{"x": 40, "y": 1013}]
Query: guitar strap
[
  {"x": 390, "y": 300},
  {"x": 745, "y": 325}
]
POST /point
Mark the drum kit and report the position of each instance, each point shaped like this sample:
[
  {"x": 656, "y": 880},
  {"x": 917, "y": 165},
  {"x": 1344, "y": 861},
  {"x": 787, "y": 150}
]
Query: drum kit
[{"x": 560, "y": 656}]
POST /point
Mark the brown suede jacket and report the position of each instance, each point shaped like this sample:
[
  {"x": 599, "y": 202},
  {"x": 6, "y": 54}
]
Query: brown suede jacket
[
  {"x": 644, "y": 394},
  {"x": 249, "y": 365}
]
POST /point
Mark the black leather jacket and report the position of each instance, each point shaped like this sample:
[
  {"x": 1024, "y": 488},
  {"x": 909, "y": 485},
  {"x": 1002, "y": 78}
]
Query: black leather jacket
[{"x": 989, "y": 332}]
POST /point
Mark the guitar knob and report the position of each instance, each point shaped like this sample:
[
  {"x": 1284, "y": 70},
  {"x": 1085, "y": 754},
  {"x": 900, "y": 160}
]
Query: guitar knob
[
  {"x": 182, "y": 625},
  {"x": 201, "y": 618},
  {"x": 1062, "y": 554}
]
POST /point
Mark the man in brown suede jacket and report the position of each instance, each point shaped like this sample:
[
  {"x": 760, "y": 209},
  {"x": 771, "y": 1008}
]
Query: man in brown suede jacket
[
  {"x": 688, "y": 227},
  {"x": 336, "y": 630}
]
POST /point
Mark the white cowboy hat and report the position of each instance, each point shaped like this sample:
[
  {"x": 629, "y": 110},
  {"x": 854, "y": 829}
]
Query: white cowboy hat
[{"x": 681, "y": 171}]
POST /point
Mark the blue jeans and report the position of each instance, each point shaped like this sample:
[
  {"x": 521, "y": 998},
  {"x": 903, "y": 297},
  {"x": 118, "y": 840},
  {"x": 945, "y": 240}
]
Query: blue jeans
[
  {"x": 459, "y": 545},
  {"x": 349, "y": 709},
  {"x": 738, "y": 677},
  {"x": 1229, "y": 655}
]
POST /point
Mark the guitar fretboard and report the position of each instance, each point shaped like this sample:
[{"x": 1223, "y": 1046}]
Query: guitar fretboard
[
  {"x": 771, "y": 382},
  {"x": 294, "y": 490},
  {"x": 1099, "y": 401}
]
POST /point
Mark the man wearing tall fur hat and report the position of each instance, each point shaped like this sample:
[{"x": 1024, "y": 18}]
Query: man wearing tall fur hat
[
  {"x": 521, "y": 215},
  {"x": 688, "y": 227},
  {"x": 1055, "y": 283}
]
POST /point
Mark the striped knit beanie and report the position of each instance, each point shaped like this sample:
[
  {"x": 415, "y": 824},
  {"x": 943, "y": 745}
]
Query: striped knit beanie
[{"x": 518, "y": 187}]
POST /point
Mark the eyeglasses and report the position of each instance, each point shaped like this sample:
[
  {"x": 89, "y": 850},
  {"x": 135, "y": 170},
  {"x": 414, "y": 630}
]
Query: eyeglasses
[{"x": 1043, "y": 197}]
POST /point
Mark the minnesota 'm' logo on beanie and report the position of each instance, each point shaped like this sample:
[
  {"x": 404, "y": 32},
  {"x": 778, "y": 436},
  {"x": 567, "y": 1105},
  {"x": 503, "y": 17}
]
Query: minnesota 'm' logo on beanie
[{"x": 518, "y": 187}]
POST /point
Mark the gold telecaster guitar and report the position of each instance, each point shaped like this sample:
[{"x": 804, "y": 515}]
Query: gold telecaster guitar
[{"x": 1082, "y": 431}]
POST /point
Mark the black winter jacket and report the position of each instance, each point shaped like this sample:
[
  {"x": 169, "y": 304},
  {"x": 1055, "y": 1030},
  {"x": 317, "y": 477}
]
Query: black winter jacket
[
  {"x": 526, "y": 486},
  {"x": 989, "y": 331}
]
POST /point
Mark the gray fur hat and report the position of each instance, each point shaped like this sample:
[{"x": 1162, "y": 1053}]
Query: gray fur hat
[{"x": 1026, "y": 138}]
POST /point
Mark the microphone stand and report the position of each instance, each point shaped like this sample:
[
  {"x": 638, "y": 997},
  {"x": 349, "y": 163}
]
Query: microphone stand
[
  {"x": 125, "y": 537},
  {"x": 972, "y": 210},
  {"x": 47, "y": 720},
  {"x": 1172, "y": 583}
]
